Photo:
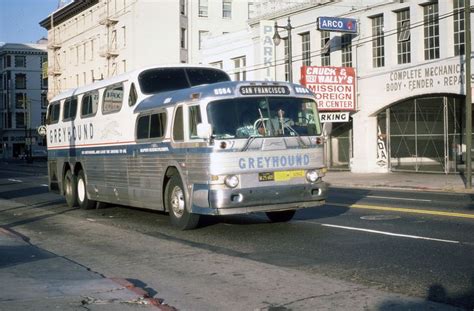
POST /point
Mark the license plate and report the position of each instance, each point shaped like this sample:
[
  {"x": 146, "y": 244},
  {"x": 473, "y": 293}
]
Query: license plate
[{"x": 280, "y": 175}]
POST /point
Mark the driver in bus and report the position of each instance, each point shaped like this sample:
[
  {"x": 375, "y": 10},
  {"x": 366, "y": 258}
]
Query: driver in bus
[{"x": 279, "y": 122}]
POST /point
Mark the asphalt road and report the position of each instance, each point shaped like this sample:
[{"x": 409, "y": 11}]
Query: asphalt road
[{"x": 411, "y": 243}]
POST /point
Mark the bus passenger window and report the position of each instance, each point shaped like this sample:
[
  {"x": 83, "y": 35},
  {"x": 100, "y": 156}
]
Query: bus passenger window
[
  {"x": 143, "y": 125},
  {"x": 70, "y": 108},
  {"x": 157, "y": 125},
  {"x": 53, "y": 113},
  {"x": 194, "y": 120},
  {"x": 89, "y": 104},
  {"x": 132, "y": 97},
  {"x": 113, "y": 97},
  {"x": 178, "y": 132}
]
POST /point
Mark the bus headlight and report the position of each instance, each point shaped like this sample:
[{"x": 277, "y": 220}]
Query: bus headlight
[
  {"x": 231, "y": 181},
  {"x": 312, "y": 175}
]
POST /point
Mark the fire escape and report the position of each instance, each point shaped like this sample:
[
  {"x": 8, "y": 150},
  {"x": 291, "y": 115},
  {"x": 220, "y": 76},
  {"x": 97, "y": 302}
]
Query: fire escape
[
  {"x": 109, "y": 51},
  {"x": 54, "y": 69}
]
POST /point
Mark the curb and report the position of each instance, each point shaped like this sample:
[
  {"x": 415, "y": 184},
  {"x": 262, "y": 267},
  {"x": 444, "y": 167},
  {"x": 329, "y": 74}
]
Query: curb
[{"x": 403, "y": 188}]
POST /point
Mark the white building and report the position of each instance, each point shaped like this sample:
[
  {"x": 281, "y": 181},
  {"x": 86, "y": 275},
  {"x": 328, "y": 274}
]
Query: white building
[
  {"x": 409, "y": 59},
  {"x": 23, "y": 101},
  {"x": 95, "y": 39}
]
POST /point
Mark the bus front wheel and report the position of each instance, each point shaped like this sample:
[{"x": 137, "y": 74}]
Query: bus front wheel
[
  {"x": 282, "y": 216},
  {"x": 82, "y": 199},
  {"x": 70, "y": 191},
  {"x": 175, "y": 200}
]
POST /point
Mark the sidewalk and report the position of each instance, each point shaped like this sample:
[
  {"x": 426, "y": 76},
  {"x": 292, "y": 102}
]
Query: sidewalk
[
  {"x": 398, "y": 180},
  {"x": 35, "y": 279}
]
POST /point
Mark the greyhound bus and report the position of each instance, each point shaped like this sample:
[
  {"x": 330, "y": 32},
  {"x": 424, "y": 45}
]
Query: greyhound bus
[{"x": 188, "y": 141}]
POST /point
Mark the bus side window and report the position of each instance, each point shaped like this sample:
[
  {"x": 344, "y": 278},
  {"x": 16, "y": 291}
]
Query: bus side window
[
  {"x": 132, "y": 97},
  {"x": 157, "y": 125},
  {"x": 113, "y": 97},
  {"x": 89, "y": 104},
  {"x": 194, "y": 115},
  {"x": 53, "y": 113},
  {"x": 143, "y": 126},
  {"x": 178, "y": 132},
  {"x": 70, "y": 108}
]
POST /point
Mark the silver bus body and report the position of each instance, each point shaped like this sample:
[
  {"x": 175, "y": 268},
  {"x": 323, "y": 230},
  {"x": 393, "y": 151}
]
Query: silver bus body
[{"x": 116, "y": 160}]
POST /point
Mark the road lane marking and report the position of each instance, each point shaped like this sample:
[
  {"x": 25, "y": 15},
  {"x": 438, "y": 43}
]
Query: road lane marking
[
  {"x": 15, "y": 180},
  {"x": 391, "y": 234},
  {"x": 405, "y": 210},
  {"x": 395, "y": 198}
]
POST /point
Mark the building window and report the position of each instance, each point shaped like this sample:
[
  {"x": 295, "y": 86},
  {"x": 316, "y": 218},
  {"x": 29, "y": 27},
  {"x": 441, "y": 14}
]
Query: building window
[
  {"x": 183, "y": 38},
  {"x": 346, "y": 50},
  {"x": 7, "y": 61},
  {"x": 251, "y": 10},
  {"x": 203, "y": 8},
  {"x": 431, "y": 31},
  {"x": 403, "y": 37},
  {"x": 217, "y": 64},
  {"x": 458, "y": 27},
  {"x": 227, "y": 8},
  {"x": 20, "y": 81},
  {"x": 202, "y": 34},
  {"x": 240, "y": 73},
  {"x": 306, "y": 49},
  {"x": 44, "y": 101},
  {"x": 378, "y": 43},
  {"x": 20, "y": 61},
  {"x": 325, "y": 48},
  {"x": 182, "y": 7},
  {"x": 20, "y": 101},
  {"x": 20, "y": 120}
]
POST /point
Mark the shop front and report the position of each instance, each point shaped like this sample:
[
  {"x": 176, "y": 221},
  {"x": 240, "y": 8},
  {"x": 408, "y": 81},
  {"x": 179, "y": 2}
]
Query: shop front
[{"x": 424, "y": 134}]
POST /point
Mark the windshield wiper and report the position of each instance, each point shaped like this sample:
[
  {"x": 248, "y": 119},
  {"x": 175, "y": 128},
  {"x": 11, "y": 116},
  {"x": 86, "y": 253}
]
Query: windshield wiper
[
  {"x": 250, "y": 139},
  {"x": 300, "y": 140}
]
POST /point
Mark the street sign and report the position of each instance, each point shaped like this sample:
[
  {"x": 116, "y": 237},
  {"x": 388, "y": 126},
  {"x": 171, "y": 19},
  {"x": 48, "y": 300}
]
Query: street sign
[
  {"x": 334, "y": 116},
  {"x": 337, "y": 24},
  {"x": 42, "y": 130}
]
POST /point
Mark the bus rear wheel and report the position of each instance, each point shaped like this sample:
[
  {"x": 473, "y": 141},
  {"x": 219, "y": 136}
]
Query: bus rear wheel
[
  {"x": 70, "y": 190},
  {"x": 282, "y": 216},
  {"x": 175, "y": 200},
  {"x": 82, "y": 199}
]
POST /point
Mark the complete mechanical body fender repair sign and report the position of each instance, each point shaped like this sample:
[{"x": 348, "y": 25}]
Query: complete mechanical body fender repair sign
[{"x": 334, "y": 87}]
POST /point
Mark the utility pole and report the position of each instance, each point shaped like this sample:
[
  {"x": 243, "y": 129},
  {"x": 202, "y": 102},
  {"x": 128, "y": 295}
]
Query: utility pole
[{"x": 467, "y": 53}]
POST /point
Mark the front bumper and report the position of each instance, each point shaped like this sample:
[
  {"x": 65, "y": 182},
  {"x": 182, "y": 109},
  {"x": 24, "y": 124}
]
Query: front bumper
[{"x": 261, "y": 199}]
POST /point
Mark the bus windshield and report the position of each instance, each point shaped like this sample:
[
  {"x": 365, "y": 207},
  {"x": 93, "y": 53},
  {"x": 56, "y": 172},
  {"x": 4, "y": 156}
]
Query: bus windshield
[
  {"x": 170, "y": 79},
  {"x": 263, "y": 116}
]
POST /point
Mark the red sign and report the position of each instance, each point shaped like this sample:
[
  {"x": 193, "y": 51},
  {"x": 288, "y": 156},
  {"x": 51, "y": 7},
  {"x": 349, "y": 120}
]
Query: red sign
[{"x": 334, "y": 87}]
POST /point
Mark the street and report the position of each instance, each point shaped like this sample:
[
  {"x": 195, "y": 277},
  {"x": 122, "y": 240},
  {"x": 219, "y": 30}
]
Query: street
[{"x": 365, "y": 249}]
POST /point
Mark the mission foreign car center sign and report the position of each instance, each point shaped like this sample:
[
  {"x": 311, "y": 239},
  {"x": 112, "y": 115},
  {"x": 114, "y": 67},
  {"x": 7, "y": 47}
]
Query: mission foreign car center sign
[{"x": 333, "y": 87}]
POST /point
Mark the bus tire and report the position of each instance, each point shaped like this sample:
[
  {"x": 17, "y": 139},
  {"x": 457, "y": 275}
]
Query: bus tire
[
  {"x": 282, "y": 216},
  {"x": 82, "y": 199},
  {"x": 70, "y": 190},
  {"x": 175, "y": 202}
]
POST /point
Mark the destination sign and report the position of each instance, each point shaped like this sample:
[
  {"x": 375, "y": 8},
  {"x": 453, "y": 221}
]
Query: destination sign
[
  {"x": 264, "y": 90},
  {"x": 337, "y": 24}
]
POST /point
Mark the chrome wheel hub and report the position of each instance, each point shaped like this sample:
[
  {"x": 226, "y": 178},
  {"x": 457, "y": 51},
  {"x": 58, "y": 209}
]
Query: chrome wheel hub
[{"x": 177, "y": 202}]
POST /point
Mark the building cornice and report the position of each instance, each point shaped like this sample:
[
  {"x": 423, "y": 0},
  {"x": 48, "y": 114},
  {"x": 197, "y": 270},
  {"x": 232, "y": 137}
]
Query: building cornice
[{"x": 66, "y": 12}]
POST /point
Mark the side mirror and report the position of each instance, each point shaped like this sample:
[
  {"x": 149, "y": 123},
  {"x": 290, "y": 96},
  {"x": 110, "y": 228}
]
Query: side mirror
[
  {"x": 327, "y": 129},
  {"x": 204, "y": 130}
]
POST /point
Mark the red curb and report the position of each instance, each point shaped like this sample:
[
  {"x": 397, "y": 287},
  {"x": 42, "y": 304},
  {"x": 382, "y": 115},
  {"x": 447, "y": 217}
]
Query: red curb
[
  {"x": 140, "y": 291},
  {"x": 8, "y": 233}
]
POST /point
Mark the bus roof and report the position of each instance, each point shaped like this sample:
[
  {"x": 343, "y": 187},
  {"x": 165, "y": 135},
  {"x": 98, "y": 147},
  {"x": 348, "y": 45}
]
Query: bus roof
[
  {"x": 119, "y": 78},
  {"x": 224, "y": 90}
]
